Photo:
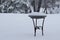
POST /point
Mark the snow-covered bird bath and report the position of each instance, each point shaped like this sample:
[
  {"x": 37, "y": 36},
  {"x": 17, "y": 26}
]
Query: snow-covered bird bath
[{"x": 35, "y": 16}]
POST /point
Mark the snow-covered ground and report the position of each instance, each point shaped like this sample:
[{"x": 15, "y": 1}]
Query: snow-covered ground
[{"x": 20, "y": 27}]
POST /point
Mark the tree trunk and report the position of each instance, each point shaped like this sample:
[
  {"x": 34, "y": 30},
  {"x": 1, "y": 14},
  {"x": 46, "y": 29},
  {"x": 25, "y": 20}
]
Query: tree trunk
[{"x": 37, "y": 5}]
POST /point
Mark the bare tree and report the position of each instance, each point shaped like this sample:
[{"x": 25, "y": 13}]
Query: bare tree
[{"x": 36, "y": 5}]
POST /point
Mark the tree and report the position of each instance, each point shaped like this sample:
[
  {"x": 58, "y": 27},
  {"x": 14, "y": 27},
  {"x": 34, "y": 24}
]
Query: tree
[
  {"x": 36, "y": 5},
  {"x": 48, "y": 4},
  {"x": 9, "y": 6}
]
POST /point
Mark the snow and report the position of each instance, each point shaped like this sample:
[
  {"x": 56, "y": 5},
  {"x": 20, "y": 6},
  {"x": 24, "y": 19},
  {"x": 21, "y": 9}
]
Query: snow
[
  {"x": 37, "y": 14},
  {"x": 20, "y": 27}
]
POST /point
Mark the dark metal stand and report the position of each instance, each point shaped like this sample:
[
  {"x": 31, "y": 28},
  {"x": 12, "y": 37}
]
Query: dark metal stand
[{"x": 37, "y": 27}]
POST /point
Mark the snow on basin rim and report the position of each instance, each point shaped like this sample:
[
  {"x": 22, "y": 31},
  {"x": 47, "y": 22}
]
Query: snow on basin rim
[{"x": 37, "y": 14}]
